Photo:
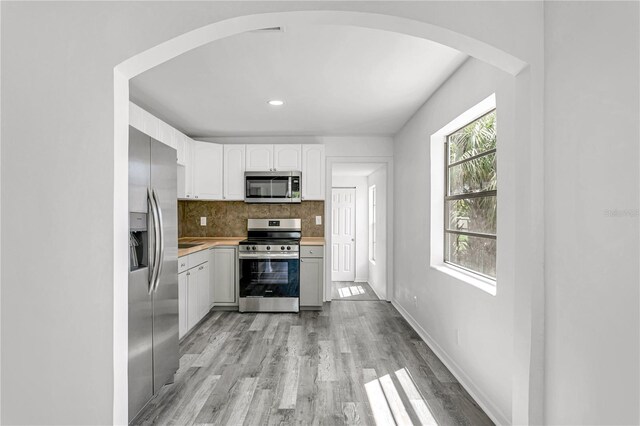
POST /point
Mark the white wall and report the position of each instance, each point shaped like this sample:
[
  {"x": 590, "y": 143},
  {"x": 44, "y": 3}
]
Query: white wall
[
  {"x": 447, "y": 307},
  {"x": 57, "y": 138},
  {"x": 362, "y": 228},
  {"x": 591, "y": 193},
  {"x": 378, "y": 269}
]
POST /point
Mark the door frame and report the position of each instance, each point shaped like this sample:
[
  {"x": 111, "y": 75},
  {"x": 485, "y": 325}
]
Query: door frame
[
  {"x": 330, "y": 161},
  {"x": 355, "y": 230}
]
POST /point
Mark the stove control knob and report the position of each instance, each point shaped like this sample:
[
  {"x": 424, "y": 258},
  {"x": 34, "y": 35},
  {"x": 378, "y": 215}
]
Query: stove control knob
[
  {"x": 282, "y": 248},
  {"x": 248, "y": 248},
  {"x": 288, "y": 247},
  {"x": 253, "y": 248},
  {"x": 268, "y": 247}
]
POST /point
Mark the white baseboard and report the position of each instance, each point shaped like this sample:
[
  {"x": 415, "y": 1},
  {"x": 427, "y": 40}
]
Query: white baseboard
[
  {"x": 374, "y": 290},
  {"x": 494, "y": 413}
]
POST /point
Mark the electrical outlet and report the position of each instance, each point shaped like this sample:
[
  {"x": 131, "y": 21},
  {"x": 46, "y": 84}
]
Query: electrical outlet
[
  {"x": 318, "y": 220},
  {"x": 415, "y": 301},
  {"x": 203, "y": 221}
]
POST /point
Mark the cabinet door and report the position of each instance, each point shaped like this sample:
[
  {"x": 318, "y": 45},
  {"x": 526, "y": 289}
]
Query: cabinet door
[
  {"x": 150, "y": 124},
  {"x": 185, "y": 176},
  {"x": 192, "y": 298},
  {"x": 225, "y": 276},
  {"x": 135, "y": 116},
  {"x": 181, "y": 142},
  {"x": 259, "y": 158},
  {"x": 313, "y": 172},
  {"x": 287, "y": 157},
  {"x": 182, "y": 304},
  {"x": 234, "y": 165},
  {"x": 203, "y": 290},
  {"x": 165, "y": 134},
  {"x": 311, "y": 281},
  {"x": 212, "y": 276},
  {"x": 207, "y": 171}
]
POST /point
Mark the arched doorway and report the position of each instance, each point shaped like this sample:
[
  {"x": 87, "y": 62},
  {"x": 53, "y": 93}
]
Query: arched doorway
[{"x": 532, "y": 371}]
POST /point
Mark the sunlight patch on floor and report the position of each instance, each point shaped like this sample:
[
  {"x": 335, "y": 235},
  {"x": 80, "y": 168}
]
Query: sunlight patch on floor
[
  {"x": 350, "y": 291},
  {"x": 415, "y": 398},
  {"x": 386, "y": 402}
]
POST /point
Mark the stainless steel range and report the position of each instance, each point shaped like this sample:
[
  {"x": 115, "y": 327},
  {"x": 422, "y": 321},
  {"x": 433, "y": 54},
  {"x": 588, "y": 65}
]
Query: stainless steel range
[{"x": 270, "y": 266}]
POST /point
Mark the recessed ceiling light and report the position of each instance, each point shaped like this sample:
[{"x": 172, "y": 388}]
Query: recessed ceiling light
[{"x": 276, "y": 102}]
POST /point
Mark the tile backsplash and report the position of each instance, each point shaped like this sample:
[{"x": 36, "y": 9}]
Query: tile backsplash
[{"x": 229, "y": 218}]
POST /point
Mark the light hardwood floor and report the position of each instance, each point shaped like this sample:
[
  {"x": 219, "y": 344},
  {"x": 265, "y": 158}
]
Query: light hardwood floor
[
  {"x": 352, "y": 363},
  {"x": 349, "y": 290}
]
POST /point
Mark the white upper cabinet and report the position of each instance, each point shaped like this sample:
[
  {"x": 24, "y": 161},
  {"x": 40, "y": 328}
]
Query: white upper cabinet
[
  {"x": 287, "y": 157},
  {"x": 166, "y": 134},
  {"x": 313, "y": 172},
  {"x": 135, "y": 116},
  {"x": 185, "y": 168},
  {"x": 151, "y": 125},
  {"x": 181, "y": 147},
  {"x": 234, "y": 166},
  {"x": 259, "y": 158},
  {"x": 207, "y": 162}
]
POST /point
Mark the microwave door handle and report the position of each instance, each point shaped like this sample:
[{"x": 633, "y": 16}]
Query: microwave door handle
[
  {"x": 288, "y": 188},
  {"x": 160, "y": 262}
]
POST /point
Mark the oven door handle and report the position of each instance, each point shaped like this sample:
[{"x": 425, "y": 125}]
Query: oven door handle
[{"x": 268, "y": 256}]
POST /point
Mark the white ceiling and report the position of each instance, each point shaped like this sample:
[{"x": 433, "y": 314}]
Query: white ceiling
[
  {"x": 335, "y": 80},
  {"x": 355, "y": 169}
]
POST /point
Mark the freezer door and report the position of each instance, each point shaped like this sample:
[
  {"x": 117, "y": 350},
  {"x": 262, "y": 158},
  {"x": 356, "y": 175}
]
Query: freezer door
[
  {"x": 139, "y": 146},
  {"x": 165, "y": 296},
  {"x": 140, "y": 307}
]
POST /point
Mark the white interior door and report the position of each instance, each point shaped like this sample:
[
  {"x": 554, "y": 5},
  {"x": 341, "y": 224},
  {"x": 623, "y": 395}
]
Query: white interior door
[{"x": 343, "y": 234}]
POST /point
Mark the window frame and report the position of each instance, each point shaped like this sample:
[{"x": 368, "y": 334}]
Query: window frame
[{"x": 479, "y": 194}]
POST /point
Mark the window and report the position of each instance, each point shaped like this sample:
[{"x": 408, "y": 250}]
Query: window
[
  {"x": 470, "y": 196},
  {"x": 372, "y": 223}
]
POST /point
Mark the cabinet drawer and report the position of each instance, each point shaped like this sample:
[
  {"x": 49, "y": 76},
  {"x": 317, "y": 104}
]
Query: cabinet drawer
[
  {"x": 183, "y": 264},
  {"x": 197, "y": 258},
  {"x": 311, "y": 251}
]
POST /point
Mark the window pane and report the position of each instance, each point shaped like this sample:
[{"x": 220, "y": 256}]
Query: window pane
[
  {"x": 475, "y": 138},
  {"x": 473, "y": 176},
  {"x": 474, "y": 253},
  {"x": 473, "y": 214}
]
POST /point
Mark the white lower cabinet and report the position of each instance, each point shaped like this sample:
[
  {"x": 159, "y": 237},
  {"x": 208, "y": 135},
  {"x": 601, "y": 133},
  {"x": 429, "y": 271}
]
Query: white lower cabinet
[
  {"x": 311, "y": 277},
  {"x": 193, "y": 297},
  {"x": 224, "y": 276},
  {"x": 203, "y": 290},
  {"x": 182, "y": 305}
]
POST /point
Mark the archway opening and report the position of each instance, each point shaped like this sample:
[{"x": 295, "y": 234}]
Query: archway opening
[{"x": 157, "y": 55}]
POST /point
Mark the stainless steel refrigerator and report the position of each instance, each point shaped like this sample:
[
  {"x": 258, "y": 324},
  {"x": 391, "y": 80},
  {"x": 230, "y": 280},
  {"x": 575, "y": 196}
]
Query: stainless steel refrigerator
[{"x": 153, "y": 268}]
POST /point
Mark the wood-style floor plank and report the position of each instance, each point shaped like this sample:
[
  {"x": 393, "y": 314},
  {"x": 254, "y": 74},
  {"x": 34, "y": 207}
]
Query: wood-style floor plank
[{"x": 352, "y": 363}]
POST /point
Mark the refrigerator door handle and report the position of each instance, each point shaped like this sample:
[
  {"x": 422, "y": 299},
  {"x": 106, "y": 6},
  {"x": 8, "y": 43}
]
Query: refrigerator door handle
[
  {"x": 160, "y": 251},
  {"x": 155, "y": 257}
]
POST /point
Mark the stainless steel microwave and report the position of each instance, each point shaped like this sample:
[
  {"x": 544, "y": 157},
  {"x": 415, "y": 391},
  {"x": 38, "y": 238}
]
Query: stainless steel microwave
[{"x": 272, "y": 187}]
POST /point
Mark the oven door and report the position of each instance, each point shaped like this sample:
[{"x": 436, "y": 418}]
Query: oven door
[{"x": 269, "y": 277}]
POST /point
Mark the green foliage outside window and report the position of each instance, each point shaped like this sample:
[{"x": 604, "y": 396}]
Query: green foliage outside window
[{"x": 471, "y": 196}]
